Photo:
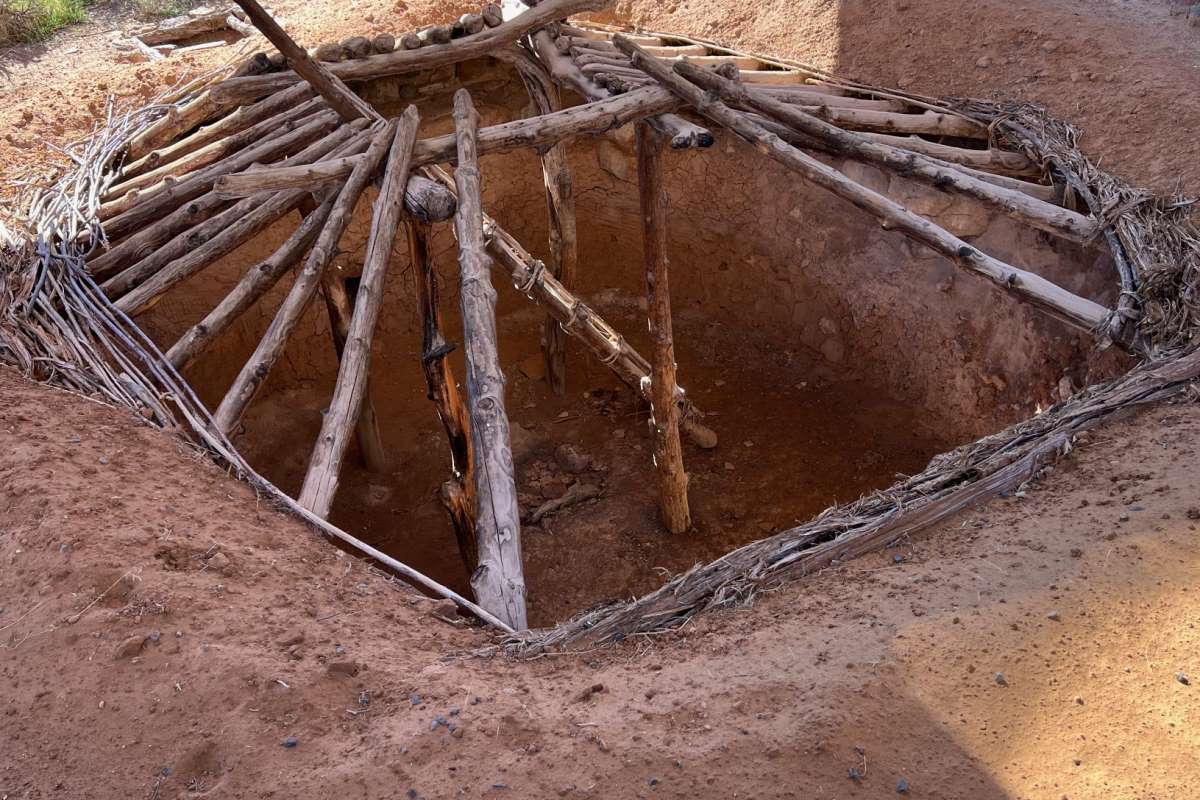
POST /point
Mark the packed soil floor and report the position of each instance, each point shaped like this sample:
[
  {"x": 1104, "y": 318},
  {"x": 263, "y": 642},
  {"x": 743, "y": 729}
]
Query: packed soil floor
[{"x": 166, "y": 633}]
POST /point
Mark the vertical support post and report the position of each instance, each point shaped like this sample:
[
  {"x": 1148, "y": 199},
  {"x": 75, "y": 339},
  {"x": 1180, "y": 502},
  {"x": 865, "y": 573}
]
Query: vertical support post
[
  {"x": 498, "y": 580},
  {"x": 664, "y": 413},
  {"x": 458, "y": 493}
]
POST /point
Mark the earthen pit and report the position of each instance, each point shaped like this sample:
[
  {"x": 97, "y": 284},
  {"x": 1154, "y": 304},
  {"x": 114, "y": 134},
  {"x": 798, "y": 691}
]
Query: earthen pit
[{"x": 833, "y": 354}]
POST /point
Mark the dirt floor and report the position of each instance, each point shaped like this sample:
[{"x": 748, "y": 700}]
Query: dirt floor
[{"x": 163, "y": 633}]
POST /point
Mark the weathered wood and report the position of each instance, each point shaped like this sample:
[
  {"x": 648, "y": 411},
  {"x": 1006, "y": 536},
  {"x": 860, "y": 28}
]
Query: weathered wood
[
  {"x": 1021, "y": 207},
  {"x": 681, "y": 133},
  {"x": 328, "y": 85},
  {"x": 366, "y": 427},
  {"x": 260, "y": 363},
  {"x": 1077, "y": 311},
  {"x": 144, "y": 183},
  {"x": 178, "y": 119},
  {"x": 492, "y": 16},
  {"x": 383, "y": 43},
  {"x": 194, "y": 250},
  {"x": 256, "y": 64},
  {"x": 560, "y": 208},
  {"x": 664, "y": 413},
  {"x": 233, "y": 22},
  {"x": 498, "y": 580},
  {"x": 182, "y": 27},
  {"x": 535, "y": 132},
  {"x": 257, "y": 281},
  {"x": 423, "y": 198},
  {"x": 577, "y": 319},
  {"x": 427, "y": 57},
  {"x": 357, "y": 46},
  {"x": 458, "y": 493},
  {"x": 471, "y": 23},
  {"x": 1002, "y": 162},
  {"x": 411, "y": 41},
  {"x": 282, "y": 143},
  {"x": 350, "y": 392}
]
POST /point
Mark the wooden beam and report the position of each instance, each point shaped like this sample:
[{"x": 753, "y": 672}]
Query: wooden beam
[
  {"x": 498, "y": 580},
  {"x": 350, "y": 393},
  {"x": 366, "y": 427},
  {"x": 560, "y": 209},
  {"x": 256, "y": 282},
  {"x": 458, "y": 493},
  {"x": 336, "y": 93},
  {"x": 260, "y": 363},
  {"x": 664, "y": 413},
  {"x": 431, "y": 55},
  {"x": 1021, "y": 207},
  {"x": 1076, "y": 311}
]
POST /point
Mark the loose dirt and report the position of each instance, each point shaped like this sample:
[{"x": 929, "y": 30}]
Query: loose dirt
[{"x": 165, "y": 633}]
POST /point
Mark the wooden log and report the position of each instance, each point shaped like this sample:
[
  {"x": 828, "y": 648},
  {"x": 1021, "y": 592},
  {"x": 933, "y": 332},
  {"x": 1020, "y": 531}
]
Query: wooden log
[
  {"x": 366, "y": 427},
  {"x": 281, "y": 143},
  {"x": 437, "y": 34},
  {"x": 560, "y": 209},
  {"x": 350, "y": 392},
  {"x": 178, "y": 119},
  {"x": 492, "y": 15},
  {"x": 664, "y": 413},
  {"x": 357, "y": 47},
  {"x": 260, "y": 363},
  {"x": 182, "y": 27},
  {"x": 328, "y": 85},
  {"x": 1021, "y": 207},
  {"x": 1001, "y": 162},
  {"x": 257, "y": 281},
  {"x": 329, "y": 53},
  {"x": 535, "y": 132},
  {"x": 192, "y": 201},
  {"x": 145, "y": 184},
  {"x": 428, "y": 57},
  {"x": 681, "y": 133},
  {"x": 256, "y": 64},
  {"x": 411, "y": 41},
  {"x": 383, "y": 43},
  {"x": 1076, "y": 311},
  {"x": 234, "y": 23},
  {"x": 471, "y": 23},
  {"x": 577, "y": 319},
  {"x": 498, "y": 581},
  {"x": 458, "y": 493}
]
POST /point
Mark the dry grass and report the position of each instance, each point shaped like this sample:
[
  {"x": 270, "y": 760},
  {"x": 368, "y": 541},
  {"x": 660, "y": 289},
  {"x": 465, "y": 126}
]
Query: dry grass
[{"x": 23, "y": 21}]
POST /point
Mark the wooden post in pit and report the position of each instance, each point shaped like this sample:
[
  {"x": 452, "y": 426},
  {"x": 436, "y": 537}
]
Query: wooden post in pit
[
  {"x": 498, "y": 580},
  {"x": 458, "y": 493},
  {"x": 664, "y": 412}
]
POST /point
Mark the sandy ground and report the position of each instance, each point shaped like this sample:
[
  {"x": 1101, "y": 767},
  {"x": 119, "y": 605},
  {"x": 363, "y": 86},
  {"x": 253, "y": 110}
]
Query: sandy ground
[{"x": 163, "y": 633}]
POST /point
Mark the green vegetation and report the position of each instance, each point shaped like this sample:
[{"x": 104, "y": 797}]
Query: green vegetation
[
  {"x": 162, "y": 8},
  {"x": 35, "y": 20}
]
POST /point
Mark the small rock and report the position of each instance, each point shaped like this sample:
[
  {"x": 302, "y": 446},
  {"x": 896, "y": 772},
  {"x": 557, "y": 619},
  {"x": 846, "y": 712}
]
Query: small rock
[
  {"x": 653, "y": 781},
  {"x": 292, "y": 639},
  {"x": 729, "y": 466},
  {"x": 131, "y": 647},
  {"x": 103, "y": 459},
  {"x": 456, "y": 732},
  {"x": 220, "y": 562},
  {"x": 570, "y": 459},
  {"x": 902, "y": 786},
  {"x": 445, "y": 607},
  {"x": 415, "y": 699},
  {"x": 1193, "y": 513},
  {"x": 1123, "y": 517},
  {"x": 290, "y": 742},
  {"x": 1076, "y": 552},
  {"x": 1053, "y": 615},
  {"x": 1001, "y": 680},
  {"x": 347, "y": 668},
  {"x": 1182, "y": 678},
  {"x": 854, "y": 774},
  {"x": 983, "y": 63},
  {"x": 339, "y": 650},
  {"x": 1078, "y": 700}
]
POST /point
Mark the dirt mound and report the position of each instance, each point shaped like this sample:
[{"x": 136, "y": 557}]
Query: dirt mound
[{"x": 165, "y": 634}]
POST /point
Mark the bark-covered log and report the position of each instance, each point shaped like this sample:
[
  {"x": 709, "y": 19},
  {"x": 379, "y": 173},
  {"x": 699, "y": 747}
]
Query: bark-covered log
[
  {"x": 340, "y": 98},
  {"x": 498, "y": 580},
  {"x": 178, "y": 119},
  {"x": 260, "y": 363},
  {"x": 350, "y": 392},
  {"x": 664, "y": 413},
  {"x": 428, "y": 57},
  {"x": 1034, "y": 289},
  {"x": 1021, "y": 207},
  {"x": 457, "y": 493},
  {"x": 1001, "y": 162},
  {"x": 492, "y": 16}
]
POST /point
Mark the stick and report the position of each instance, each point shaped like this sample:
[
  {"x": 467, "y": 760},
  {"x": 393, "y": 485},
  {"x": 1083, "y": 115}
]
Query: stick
[
  {"x": 1034, "y": 289},
  {"x": 340, "y": 98},
  {"x": 664, "y": 413},
  {"x": 431, "y": 55},
  {"x": 498, "y": 581},
  {"x": 257, "y": 281},
  {"x": 458, "y": 493},
  {"x": 560, "y": 208},
  {"x": 1021, "y": 207},
  {"x": 259, "y": 365},
  {"x": 349, "y": 395}
]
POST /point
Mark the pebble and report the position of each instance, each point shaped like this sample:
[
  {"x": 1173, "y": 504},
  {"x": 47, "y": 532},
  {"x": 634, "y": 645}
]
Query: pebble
[
  {"x": 983, "y": 63},
  {"x": 854, "y": 774},
  {"x": 1053, "y": 615},
  {"x": 1001, "y": 680},
  {"x": 1078, "y": 701},
  {"x": 902, "y": 786},
  {"x": 290, "y": 742},
  {"x": 339, "y": 650},
  {"x": 653, "y": 781},
  {"x": 415, "y": 699},
  {"x": 438, "y": 720},
  {"x": 1183, "y": 679},
  {"x": 103, "y": 459},
  {"x": 729, "y": 466}
]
